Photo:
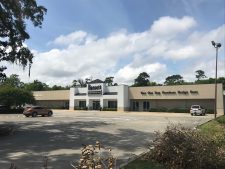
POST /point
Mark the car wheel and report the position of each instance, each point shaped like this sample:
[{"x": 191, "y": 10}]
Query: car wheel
[
  {"x": 50, "y": 113},
  {"x": 34, "y": 114},
  {"x": 27, "y": 115},
  {"x": 192, "y": 114}
]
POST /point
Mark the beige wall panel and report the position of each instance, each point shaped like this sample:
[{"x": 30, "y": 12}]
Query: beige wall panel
[
  {"x": 201, "y": 91},
  {"x": 52, "y": 95},
  {"x": 53, "y": 103},
  {"x": 169, "y": 104}
]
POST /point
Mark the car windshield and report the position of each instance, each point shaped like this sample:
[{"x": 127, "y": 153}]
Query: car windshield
[{"x": 195, "y": 107}]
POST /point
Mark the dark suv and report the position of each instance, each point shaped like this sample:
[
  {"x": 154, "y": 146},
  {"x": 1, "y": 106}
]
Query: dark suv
[{"x": 37, "y": 110}]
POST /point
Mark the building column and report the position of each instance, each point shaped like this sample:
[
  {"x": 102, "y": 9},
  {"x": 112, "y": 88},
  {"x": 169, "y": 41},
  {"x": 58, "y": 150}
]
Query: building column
[
  {"x": 101, "y": 103},
  {"x": 87, "y": 103},
  {"x": 71, "y": 103}
]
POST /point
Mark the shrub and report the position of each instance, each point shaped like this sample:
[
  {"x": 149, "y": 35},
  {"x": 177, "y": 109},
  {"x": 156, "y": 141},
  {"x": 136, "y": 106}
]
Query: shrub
[
  {"x": 12, "y": 111},
  {"x": 221, "y": 120},
  {"x": 160, "y": 109},
  {"x": 109, "y": 109},
  {"x": 95, "y": 157},
  {"x": 57, "y": 107},
  {"x": 179, "y": 110},
  {"x": 80, "y": 108},
  {"x": 209, "y": 111},
  {"x": 182, "y": 148}
]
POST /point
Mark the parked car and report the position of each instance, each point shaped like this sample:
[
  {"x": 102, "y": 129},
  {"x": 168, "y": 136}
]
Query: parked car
[
  {"x": 197, "y": 110},
  {"x": 37, "y": 110}
]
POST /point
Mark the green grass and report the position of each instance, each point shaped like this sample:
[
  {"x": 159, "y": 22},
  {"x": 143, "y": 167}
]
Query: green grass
[
  {"x": 215, "y": 129},
  {"x": 143, "y": 164}
]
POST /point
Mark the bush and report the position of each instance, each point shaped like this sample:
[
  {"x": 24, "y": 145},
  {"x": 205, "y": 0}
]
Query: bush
[
  {"x": 109, "y": 109},
  {"x": 80, "y": 108},
  {"x": 181, "y": 148},
  {"x": 209, "y": 111},
  {"x": 175, "y": 110},
  {"x": 57, "y": 107},
  {"x": 12, "y": 111},
  {"x": 161, "y": 109},
  {"x": 179, "y": 110},
  {"x": 221, "y": 120},
  {"x": 95, "y": 157}
]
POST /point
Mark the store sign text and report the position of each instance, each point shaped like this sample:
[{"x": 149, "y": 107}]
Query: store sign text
[
  {"x": 179, "y": 92},
  {"x": 98, "y": 87}
]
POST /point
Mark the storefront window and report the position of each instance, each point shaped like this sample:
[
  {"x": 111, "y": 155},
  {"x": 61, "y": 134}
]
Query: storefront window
[
  {"x": 146, "y": 106},
  {"x": 112, "y": 104},
  {"x": 135, "y": 106},
  {"x": 82, "y": 104}
]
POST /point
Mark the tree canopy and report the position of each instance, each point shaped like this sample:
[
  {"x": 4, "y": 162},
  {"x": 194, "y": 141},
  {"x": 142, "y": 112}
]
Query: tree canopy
[
  {"x": 13, "y": 17},
  {"x": 142, "y": 79},
  {"x": 200, "y": 74},
  {"x": 109, "y": 81},
  {"x": 12, "y": 81},
  {"x": 36, "y": 85},
  {"x": 11, "y": 96},
  {"x": 174, "y": 80},
  {"x": 2, "y": 75}
]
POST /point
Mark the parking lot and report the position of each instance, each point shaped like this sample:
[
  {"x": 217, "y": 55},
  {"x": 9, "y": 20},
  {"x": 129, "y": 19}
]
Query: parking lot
[{"x": 61, "y": 136}]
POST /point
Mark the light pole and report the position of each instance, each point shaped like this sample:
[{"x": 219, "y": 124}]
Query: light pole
[{"x": 217, "y": 46}]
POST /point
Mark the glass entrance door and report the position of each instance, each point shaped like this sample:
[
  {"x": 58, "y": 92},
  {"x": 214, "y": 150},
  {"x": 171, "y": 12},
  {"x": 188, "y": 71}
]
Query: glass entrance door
[
  {"x": 96, "y": 105},
  {"x": 135, "y": 106}
]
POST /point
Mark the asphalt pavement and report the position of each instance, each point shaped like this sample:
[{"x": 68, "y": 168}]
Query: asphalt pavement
[{"x": 60, "y": 137}]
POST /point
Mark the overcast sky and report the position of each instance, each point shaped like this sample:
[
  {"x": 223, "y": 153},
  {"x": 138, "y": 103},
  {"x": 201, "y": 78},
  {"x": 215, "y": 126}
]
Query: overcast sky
[{"x": 122, "y": 38}]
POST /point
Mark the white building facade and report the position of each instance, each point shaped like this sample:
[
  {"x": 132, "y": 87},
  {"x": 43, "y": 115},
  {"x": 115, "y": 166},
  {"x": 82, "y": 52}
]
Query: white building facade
[{"x": 98, "y": 96}]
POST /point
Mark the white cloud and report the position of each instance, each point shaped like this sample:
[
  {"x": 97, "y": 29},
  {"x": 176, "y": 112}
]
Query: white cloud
[
  {"x": 169, "y": 26},
  {"x": 78, "y": 37},
  {"x": 128, "y": 73},
  {"x": 125, "y": 55}
]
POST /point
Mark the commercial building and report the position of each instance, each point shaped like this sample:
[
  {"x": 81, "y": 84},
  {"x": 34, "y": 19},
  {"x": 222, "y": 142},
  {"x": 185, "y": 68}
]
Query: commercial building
[
  {"x": 53, "y": 99},
  {"x": 97, "y": 95}
]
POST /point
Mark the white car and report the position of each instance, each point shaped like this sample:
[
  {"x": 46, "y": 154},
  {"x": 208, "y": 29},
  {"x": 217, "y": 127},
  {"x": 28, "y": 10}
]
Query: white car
[{"x": 197, "y": 110}]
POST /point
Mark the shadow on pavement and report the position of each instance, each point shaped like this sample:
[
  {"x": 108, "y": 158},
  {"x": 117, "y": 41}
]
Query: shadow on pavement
[{"x": 62, "y": 142}]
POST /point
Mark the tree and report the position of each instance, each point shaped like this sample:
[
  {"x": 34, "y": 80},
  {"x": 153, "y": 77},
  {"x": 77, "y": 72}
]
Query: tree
[
  {"x": 74, "y": 83},
  {"x": 82, "y": 83},
  {"x": 153, "y": 84},
  {"x": 13, "y": 17},
  {"x": 212, "y": 81},
  {"x": 11, "y": 96},
  {"x": 56, "y": 87},
  {"x": 87, "y": 80},
  {"x": 36, "y": 85},
  {"x": 142, "y": 79},
  {"x": 200, "y": 74},
  {"x": 2, "y": 75},
  {"x": 12, "y": 81},
  {"x": 109, "y": 81},
  {"x": 174, "y": 80}
]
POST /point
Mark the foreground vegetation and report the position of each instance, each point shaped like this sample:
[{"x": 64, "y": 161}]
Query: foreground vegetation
[{"x": 182, "y": 148}]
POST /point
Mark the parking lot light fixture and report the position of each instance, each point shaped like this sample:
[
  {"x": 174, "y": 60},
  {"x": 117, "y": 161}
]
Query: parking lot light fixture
[{"x": 217, "y": 46}]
